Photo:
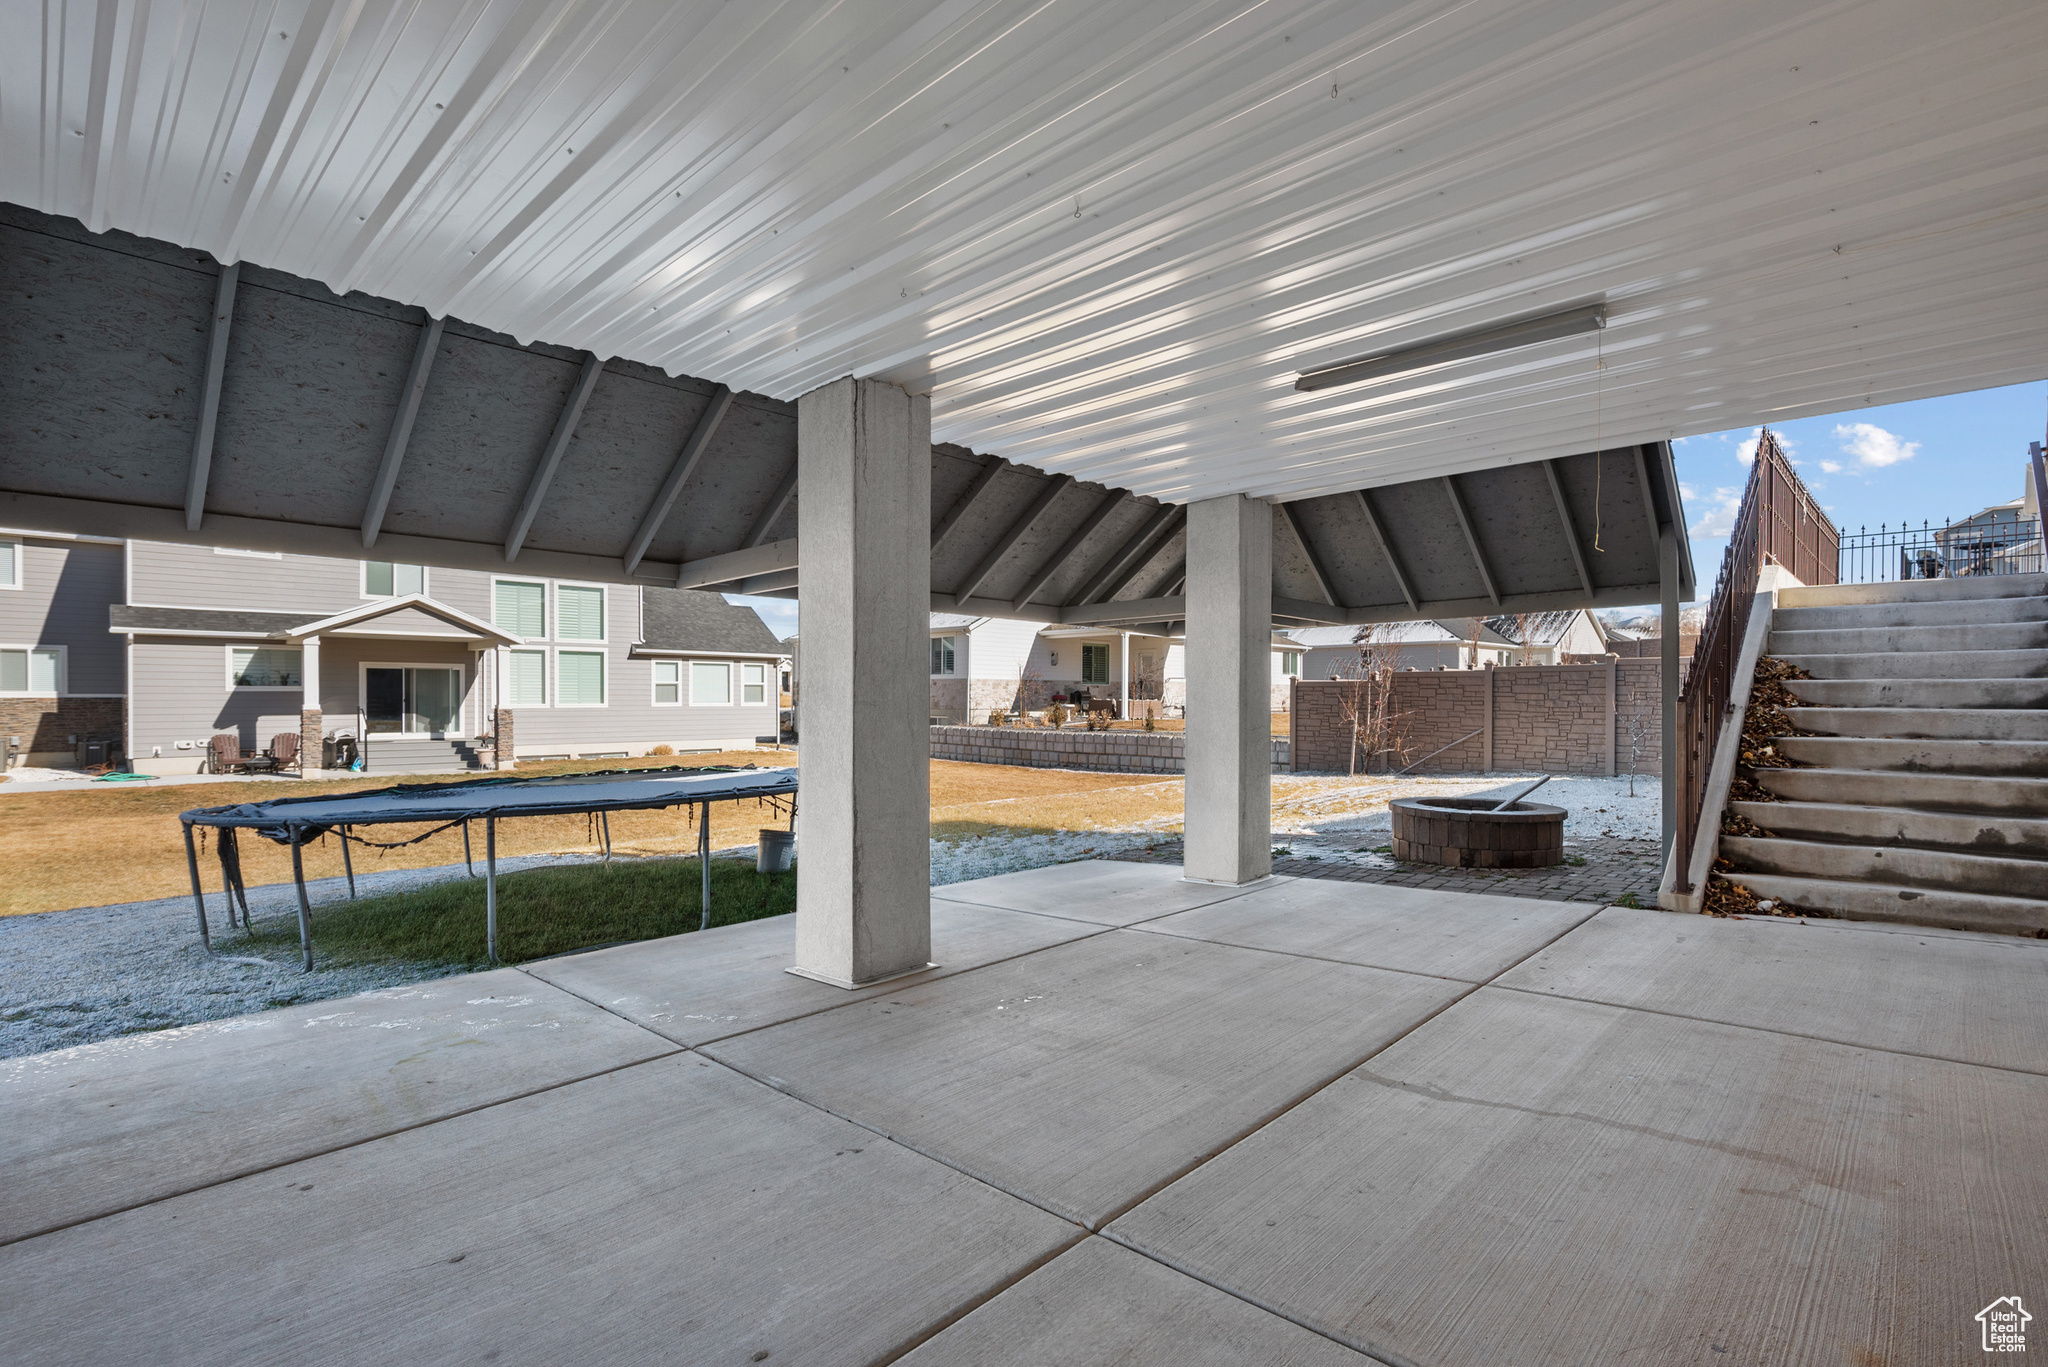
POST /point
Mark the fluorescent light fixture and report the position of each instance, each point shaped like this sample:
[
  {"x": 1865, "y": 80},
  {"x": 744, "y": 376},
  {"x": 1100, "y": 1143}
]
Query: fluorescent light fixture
[{"x": 1464, "y": 346}]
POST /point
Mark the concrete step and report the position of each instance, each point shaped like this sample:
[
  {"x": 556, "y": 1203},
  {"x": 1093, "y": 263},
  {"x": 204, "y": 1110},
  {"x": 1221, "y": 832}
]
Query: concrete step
[
  {"x": 1967, "y": 636},
  {"x": 2019, "y": 797},
  {"x": 1942, "y": 723},
  {"x": 1916, "y": 591},
  {"x": 1898, "y": 865},
  {"x": 1965, "y": 833},
  {"x": 1931, "y": 664},
  {"x": 2017, "y": 758},
  {"x": 421, "y": 757},
  {"x": 1937, "y": 614},
  {"x": 1904, "y": 906},
  {"x": 1934, "y": 693}
]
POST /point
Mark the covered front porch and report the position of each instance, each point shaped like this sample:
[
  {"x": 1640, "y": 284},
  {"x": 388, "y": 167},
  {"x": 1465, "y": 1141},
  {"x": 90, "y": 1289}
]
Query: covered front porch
[{"x": 1124, "y": 1117}]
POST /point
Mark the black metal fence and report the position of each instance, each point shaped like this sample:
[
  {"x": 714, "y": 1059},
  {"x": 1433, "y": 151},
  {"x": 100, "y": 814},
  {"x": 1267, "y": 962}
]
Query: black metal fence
[{"x": 1997, "y": 541}]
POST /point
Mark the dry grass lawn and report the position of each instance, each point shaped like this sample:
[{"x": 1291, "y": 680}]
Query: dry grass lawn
[{"x": 112, "y": 843}]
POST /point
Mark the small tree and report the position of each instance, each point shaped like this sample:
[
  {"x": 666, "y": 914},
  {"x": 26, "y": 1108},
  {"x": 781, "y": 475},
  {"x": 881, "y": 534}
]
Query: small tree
[
  {"x": 1639, "y": 727},
  {"x": 1366, "y": 698}
]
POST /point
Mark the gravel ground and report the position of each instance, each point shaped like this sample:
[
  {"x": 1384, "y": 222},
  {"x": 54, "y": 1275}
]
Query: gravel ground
[{"x": 73, "y": 977}]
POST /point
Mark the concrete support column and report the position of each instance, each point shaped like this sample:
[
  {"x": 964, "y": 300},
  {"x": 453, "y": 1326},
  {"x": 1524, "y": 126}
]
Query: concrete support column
[
  {"x": 310, "y": 722},
  {"x": 863, "y": 906},
  {"x": 1667, "y": 576},
  {"x": 1229, "y": 672}
]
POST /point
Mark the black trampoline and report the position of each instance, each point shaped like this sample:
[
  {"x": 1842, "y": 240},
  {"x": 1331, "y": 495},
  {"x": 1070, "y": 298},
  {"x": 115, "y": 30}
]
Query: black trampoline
[{"x": 295, "y": 820}]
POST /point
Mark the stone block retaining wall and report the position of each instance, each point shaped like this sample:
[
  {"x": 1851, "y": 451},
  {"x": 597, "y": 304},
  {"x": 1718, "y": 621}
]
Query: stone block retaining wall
[{"x": 1129, "y": 752}]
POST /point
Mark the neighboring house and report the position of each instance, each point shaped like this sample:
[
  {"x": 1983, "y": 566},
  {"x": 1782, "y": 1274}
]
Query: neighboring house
[
  {"x": 62, "y": 677},
  {"x": 984, "y": 664},
  {"x": 1452, "y": 643},
  {"x": 434, "y": 668}
]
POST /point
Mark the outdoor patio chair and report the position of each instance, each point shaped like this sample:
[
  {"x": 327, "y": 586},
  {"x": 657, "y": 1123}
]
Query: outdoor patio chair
[
  {"x": 284, "y": 750},
  {"x": 226, "y": 752}
]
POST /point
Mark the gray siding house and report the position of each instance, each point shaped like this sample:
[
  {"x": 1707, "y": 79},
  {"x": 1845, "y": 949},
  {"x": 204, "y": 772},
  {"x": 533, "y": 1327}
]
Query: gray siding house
[{"x": 424, "y": 668}]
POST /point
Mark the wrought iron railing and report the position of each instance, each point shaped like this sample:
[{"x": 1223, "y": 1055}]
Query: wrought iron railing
[
  {"x": 1998, "y": 541},
  {"x": 1778, "y": 523}
]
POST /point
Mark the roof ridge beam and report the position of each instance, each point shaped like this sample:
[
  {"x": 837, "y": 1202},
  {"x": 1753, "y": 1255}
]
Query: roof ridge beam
[
  {"x": 558, "y": 446},
  {"x": 679, "y": 473},
  {"x": 209, "y": 396},
  {"x": 1401, "y": 581},
  {"x": 1071, "y": 547},
  {"x": 1472, "y": 540},
  {"x": 1571, "y": 531},
  {"x": 1018, "y": 530},
  {"x": 401, "y": 429}
]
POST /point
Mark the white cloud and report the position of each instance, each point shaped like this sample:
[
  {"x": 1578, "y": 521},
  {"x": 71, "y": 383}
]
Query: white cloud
[
  {"x": 778, "y": 613},
  {"x": 1831, "y": 467},
  {"x": 1746, "y": 451},
  {"x": 1718, "y": 518},
  {"x": 1872, "y": 445}
]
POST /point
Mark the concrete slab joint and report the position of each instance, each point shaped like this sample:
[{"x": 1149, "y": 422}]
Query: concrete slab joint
[
  {"x": 864, "y": 488},
  {"x": 1228, "y": 739}
]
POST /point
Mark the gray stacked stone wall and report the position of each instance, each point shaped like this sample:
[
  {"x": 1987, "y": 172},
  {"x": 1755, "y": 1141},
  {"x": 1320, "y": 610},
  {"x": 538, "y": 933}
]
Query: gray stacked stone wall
[{"x": 1127, "y": 752}]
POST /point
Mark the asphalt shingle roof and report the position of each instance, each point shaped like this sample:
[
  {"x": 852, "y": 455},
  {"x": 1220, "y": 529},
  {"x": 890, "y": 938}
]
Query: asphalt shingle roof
[{"x": 697, "y": 621}]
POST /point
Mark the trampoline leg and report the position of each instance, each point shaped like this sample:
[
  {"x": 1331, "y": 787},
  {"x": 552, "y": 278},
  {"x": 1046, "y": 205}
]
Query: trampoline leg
[
  {"x": 198, "y": 893},
  {"x": 491, "y": 887},
  {"x": 605, "y": 819},
  {"x": 227, "y": 882},
  {"x": 305, "y": 907},
  {"x": 348, "y": 864},
  {"x": 468, "y": 862},
  {"x": 704, "y": 861}
]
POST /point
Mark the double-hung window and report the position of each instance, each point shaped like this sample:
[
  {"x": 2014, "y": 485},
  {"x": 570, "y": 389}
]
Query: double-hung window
[
  {"x": 668, "y": 682},
  {"x": 753, "y": 685},
  {"x": 710, "y": 683},
  {"x": 385, "y": 579},
  {"x": 521, "y": 608},
  {"x": 1094, "y": 664},
  {"x": 579, "y": 678},
  {"x": 10, "y": 564},
  {"x": 579, "y": 613},
  {"x": 29, "y": 669},
  {"x": 264, "y": 667},
  {"x": 1290, "y": 664},
  {"x": 945, "y": 658},
  {"x": 526, "y": 678}
]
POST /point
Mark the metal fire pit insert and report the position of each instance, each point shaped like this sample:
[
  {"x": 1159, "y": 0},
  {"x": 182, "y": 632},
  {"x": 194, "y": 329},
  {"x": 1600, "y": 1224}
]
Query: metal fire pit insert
[{"x": 1464, "y": 833}]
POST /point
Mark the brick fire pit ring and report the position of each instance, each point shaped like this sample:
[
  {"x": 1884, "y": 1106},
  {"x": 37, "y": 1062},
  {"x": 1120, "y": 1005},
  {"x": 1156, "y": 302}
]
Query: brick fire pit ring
[{"x": 1461, "y": 833}]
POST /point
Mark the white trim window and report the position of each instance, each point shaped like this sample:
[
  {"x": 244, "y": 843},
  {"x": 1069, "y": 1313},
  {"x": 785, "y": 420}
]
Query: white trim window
[
  {"x": 710, "y": 683},
  {"x": 10, "y": 563},
  {"x": 579, "y": 678},
  {"x": 579, "y": 612},
  {"x": 945, "y": 656},
  {"x": 753, "y": 685},
  {"x": 1290, "y": 664},
  {"x": 526, "y": 678},
  {"x": 388, "y": 579},
  {"x": 275, "y": 667},
  {"x": 520, "y": 606},
  {"x": 31, "y": 671},
  {"x": 1094, "y": 663},
  {"x": 668, "y": 683}
]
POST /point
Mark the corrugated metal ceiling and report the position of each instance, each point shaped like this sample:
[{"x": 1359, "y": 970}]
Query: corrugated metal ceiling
[{"x": 1105, "y": 236}]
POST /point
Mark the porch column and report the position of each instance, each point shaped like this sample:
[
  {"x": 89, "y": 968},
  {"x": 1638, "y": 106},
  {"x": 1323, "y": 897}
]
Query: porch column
[
  {"x": 1123, "y": 674},
  {"x": 310, "y": 728},
  {"x": 863, "y": 908},
  {"x": 502, "y": 753},
  {"x": 1667, "y": 576},
  {"x": 1229, "y": 672}
]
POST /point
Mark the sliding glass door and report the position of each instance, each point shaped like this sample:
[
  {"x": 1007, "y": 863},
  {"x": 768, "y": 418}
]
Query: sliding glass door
[{"x": 413, "y": 700}]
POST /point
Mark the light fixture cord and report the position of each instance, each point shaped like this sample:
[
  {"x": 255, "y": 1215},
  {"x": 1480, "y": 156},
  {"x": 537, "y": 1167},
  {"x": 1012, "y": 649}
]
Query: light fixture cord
[{"x": 1599, "y": 463}]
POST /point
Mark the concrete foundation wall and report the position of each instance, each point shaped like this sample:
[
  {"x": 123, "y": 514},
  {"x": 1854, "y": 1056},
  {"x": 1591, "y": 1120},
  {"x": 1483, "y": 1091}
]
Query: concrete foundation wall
[{"x": 1558, "y": 719}]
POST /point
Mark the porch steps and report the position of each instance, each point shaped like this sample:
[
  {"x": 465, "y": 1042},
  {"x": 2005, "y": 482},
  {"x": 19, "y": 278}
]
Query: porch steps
[
  {"x": 1922, "y": 791},
  {"x": 421, "y": 757}
]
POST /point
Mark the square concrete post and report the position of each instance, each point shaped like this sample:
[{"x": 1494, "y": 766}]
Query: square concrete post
[
  {"x": 1667, "y": 575},
  {"x": 1229, "y": 668},
  {"x": 863, "y": 901}
]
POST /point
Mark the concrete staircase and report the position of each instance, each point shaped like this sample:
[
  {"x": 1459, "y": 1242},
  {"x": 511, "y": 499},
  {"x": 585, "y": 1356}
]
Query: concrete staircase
[
  {"x": 421, "y": 757},
  {"x": 1927, "y": 799}
]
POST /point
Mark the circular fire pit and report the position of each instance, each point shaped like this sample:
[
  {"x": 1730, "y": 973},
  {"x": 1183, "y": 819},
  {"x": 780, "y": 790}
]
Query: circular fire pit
[{"x": 1461, "y": 833}]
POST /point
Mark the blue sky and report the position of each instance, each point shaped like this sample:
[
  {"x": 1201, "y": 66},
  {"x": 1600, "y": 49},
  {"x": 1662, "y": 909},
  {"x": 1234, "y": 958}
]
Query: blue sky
[{"x": 1930, "y": 459}]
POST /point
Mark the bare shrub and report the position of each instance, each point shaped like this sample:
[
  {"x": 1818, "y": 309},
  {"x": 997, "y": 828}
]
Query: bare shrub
[
  {"x": 662, "y": 750},
  {"x": 1366, "y": 700}
]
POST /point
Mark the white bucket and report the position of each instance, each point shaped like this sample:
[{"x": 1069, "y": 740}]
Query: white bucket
[{"x": 774, "y": 850}]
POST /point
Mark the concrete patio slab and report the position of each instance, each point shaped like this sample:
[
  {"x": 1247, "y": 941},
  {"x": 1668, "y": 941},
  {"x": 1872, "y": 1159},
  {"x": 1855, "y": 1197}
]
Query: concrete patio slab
[
  {"x": 102, "y": 1127},
  {"x": 1449, "y": 934},
  {"x": 1539, "y": 1181},
  {"x": 1089, "y": 1074},
  {"x": 1977, "y": 999},
  {"x": 1106, "y": 892},
  {"x": 725, "y": 981},
  {"x": 670, "y": 1212},
  {"x": 1099, "y": 1305}
]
